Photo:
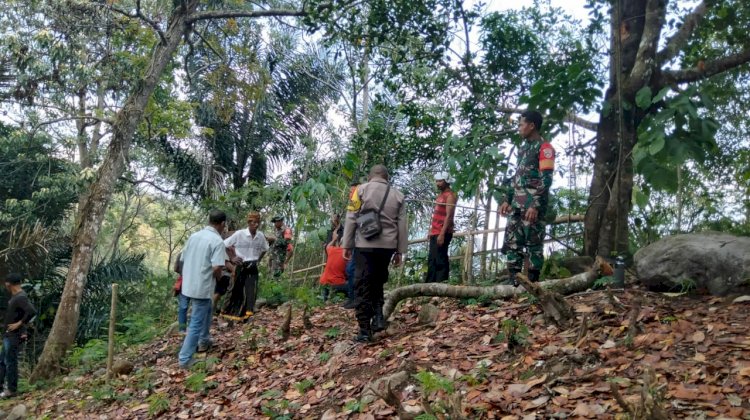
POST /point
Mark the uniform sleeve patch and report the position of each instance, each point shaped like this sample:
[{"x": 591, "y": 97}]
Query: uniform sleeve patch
[
  {"x": 546, "y": 157},
  {"x": 354, "y": 203}
]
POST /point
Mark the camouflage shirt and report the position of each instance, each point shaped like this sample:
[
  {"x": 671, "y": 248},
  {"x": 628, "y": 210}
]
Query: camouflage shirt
[{"x": 531, "y": 183}]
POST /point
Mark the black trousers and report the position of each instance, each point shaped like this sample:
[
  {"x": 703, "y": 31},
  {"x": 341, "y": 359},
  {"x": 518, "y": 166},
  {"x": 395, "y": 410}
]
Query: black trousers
[
  {"x": 244, "y": 291},
  {"x": 370, "y": 275},
  {"x": 438, "y": 263}
]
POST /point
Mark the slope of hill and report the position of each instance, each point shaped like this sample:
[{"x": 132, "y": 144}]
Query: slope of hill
[{"x": 635, "y": 352}]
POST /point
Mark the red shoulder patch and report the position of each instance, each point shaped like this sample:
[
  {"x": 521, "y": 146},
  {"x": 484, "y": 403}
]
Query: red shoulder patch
[{"x": 546, "y": 157}]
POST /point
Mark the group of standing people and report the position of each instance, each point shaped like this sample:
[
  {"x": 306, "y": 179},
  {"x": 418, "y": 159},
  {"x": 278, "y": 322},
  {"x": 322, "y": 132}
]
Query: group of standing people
[
  {"x": 372, "y": 237},
  {"x": 525, "y": 204},
  {"x": 207, "y": 264}
]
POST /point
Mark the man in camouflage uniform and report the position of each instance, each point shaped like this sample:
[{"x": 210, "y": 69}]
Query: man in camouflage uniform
[
  {"x": 526, "y": 200},
  {"x": 282, "y": 248}
]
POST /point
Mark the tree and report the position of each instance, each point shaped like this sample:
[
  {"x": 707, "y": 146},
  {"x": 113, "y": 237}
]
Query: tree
[
  {"x": 652, "y": 106},
  {"x": 168, "y": 24},
  {"x": 93, "y": 205}
]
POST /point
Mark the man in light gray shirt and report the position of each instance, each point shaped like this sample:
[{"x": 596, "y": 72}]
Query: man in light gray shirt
[
  {"x": 202, "y": 261},
  {"x": 374, "y": 255}
]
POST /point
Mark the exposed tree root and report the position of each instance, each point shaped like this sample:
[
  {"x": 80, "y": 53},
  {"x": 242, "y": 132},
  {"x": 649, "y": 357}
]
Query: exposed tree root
[
  {"x": 555, "y": 308},
  {"x": 566, "y": 286},
  {"x": 651, "y": 404}
]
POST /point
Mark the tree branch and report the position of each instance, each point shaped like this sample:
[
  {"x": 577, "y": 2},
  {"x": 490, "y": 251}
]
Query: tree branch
[
  {"x": 571, "y": 118},
  {"x": 139, "y": 15},
  {"x": 145, "y": 181},
  {"x": 72, "y": 117},
  {"x": 704, "y": 70},
  {"x": 208, "y": 44},
  {"x": 645, "y": 63},
  {"x": 225, "y": 14},
  {"x": 680, "y": 38}
]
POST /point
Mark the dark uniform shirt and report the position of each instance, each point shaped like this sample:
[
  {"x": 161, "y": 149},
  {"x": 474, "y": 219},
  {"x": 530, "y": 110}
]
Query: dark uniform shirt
[{"x": 531, "y": 183}]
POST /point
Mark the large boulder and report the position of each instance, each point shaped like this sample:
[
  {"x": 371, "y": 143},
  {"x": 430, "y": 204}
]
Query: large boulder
[{"x": 715, "y": 261}]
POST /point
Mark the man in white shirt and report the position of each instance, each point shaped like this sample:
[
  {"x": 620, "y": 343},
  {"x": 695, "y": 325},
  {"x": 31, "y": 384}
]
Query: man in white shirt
[
  {"x": 250, "y": 246},
  {"x": 202, "y": 261}
]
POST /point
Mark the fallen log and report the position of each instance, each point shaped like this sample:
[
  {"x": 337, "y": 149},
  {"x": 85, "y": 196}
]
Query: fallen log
[{"x": 577, "y": 283}]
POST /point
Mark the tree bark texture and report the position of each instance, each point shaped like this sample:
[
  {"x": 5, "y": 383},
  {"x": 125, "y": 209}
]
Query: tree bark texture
[
  {"x": 91, "y": 212},
  {"x": 636, "y": 62},
  {"x": 566, "y": 286},
  {"x": 611, "y": 187}
]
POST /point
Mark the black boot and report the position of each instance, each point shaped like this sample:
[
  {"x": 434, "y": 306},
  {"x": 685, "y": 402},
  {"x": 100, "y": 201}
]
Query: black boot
[
  {"x": 364, "y": 336},
  {"x": 378, "y": 321},
  {"x": 534, "y": 275},
  {"x": 512, "y": 278}
]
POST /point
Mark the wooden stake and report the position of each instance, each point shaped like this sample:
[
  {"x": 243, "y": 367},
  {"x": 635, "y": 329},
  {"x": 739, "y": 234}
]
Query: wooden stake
[{"x": 112, "y": 318}]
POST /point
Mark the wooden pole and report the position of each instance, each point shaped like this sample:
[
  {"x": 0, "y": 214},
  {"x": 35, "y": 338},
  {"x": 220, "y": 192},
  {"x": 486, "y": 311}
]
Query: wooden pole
[{"x": 112, "y": 318}]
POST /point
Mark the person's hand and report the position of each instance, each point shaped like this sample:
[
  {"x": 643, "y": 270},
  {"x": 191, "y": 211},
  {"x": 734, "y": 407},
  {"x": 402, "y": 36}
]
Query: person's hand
[
  {"x": 347, "y": 254},
  {"x": 14, "y": 326},
  {"x": 237, "y": 260},
  {"x": 531, "y": 215},
  {"x": 440, "y": 239},
  {"x": 396, "y": 259},
  {"x": 505, "y": 208}
]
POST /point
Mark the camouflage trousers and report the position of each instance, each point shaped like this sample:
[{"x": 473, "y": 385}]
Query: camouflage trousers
[
  {"x": 277, "y": 261},
  {"x": 523, "y": 239}
]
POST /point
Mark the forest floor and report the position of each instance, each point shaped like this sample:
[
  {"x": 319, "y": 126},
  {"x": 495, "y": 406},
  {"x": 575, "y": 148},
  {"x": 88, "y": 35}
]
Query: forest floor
[{"x": 474, "y": 360}]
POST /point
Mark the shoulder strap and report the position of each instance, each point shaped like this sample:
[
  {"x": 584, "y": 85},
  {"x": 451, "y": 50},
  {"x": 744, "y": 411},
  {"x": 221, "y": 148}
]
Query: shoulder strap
[{"x": 385, "y": 197}]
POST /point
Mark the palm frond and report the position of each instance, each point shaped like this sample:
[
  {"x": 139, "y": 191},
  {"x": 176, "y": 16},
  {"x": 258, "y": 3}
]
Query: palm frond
[{"x": 24, "y": 246}]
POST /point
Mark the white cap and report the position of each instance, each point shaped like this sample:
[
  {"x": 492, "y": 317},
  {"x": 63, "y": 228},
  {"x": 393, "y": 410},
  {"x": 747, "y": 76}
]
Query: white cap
[{"x": 444, "y": 176}]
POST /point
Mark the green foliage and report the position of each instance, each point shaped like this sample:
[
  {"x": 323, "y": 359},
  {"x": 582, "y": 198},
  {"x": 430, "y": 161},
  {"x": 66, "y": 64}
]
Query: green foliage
[
  {"x": 104, "y": 393},
  {"x": 34, "y": 184},
  {"x": 324, "y": 357},
  {"x": 603, "y": 282},
  {"x": 687, "y": 285},
  {"x": 354, "y": 406},
  {"x": 304, "y": 385},
  {"x": 157, "y": 404},
  {"x": 276, "y": 292},
  {"x": 432, "y": 382},
  {"x": 528, "y": 297},
  {"x": 679, "y": 131},
  {"x": 277, "y": 409},
  {"x": 91, "y": 355},
  {"x": 333, "y": 332},
  {"x": 553, "y": 270},
  {"x": 514, "y": 333},
  {"x": 196, "y": 382}
]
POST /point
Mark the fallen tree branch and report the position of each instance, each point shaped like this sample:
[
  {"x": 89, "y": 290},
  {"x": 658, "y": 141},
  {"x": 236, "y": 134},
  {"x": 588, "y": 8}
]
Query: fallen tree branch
[{"x": 577, "y": 283}]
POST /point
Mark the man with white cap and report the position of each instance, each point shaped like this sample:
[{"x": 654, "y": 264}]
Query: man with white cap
[{"x": 441, "y": 230}]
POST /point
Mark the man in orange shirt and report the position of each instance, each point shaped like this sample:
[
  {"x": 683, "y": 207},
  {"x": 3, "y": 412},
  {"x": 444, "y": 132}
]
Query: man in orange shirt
[
  {"x": 441, "y": 230},
  {"x": 334, "y": 273}
]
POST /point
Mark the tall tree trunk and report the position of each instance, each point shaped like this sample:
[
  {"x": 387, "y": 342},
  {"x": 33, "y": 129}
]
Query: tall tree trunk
[
  {"x": 606, "y": 222},
  {"x": 91, "y": 212}
]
